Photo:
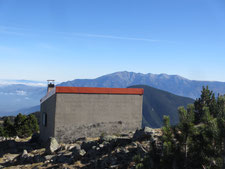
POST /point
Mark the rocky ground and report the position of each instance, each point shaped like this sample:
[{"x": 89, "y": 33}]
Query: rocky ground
[{"x": 107, "y": 151}]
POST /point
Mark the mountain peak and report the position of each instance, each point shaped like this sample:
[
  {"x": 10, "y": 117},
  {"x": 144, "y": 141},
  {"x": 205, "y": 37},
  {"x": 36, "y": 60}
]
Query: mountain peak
[
  {"x": 18, "y": 96},
  {"x": 171, "y": 83}
]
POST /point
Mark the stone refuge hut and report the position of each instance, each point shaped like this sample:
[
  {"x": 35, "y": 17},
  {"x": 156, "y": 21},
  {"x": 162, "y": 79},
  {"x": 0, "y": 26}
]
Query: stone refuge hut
[{"x": 68, "y": 113}]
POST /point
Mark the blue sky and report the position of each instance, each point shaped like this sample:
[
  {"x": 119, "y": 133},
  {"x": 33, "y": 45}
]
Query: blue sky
[{"x": 68, "y": 39}]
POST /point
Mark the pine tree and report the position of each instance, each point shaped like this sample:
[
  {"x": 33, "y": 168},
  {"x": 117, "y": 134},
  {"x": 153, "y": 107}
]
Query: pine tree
[
  {"x": 9, "y": 130},
  {"x": 207, "y": 99},
  {"x": 168, "y": 144},
  {"x": 2, "y": 131},
  {"x": 198, "y": 132},
  {"x": 32, "y": 122},
  {"x": 204, "y": 148},
  {"x": 185, "y": 129},
  {"x": 221, "y": 126},
  {"x": 19, "y": 124},
  {"x": 25, "y": 126}
]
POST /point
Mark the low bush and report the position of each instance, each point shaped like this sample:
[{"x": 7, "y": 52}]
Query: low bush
[{"x": 22, "y": 126}]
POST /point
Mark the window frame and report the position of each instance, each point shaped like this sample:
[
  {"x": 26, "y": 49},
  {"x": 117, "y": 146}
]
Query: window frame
[{"x": 44, "y": 119}]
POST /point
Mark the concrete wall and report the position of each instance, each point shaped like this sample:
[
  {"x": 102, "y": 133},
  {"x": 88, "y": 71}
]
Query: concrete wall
[
  {"x": 48, "y": 107},
  {"x": 88, "y": 115}
]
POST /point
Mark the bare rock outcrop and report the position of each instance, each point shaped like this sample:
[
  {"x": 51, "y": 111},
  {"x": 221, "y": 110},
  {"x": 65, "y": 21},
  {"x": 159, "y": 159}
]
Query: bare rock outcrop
[
  {"x": 51, "y": 146},
  {"x": 107, "y": 151}
]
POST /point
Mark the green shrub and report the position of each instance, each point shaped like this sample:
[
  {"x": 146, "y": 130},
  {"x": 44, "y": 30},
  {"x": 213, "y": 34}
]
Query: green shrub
[
  {"x": 23, "y": 126},
  {"x": 1, "y": 131},
  {"x": 8, "y": 127}
]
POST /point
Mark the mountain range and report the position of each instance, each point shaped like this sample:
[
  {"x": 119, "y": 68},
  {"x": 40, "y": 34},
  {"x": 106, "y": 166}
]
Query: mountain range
[
  {"x": 14, "y": 97},
  {"x": 157, "y": 103},
  {"x": 172, "y": 83}
]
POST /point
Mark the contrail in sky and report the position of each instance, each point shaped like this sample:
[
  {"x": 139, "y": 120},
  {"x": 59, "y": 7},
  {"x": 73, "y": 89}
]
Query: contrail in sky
[{"x": 29, "y": 32}]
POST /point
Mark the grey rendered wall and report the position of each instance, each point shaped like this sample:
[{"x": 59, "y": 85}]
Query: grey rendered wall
[
  {"x": 89, "y": 115},
  {"x": 48, "y": 107}
]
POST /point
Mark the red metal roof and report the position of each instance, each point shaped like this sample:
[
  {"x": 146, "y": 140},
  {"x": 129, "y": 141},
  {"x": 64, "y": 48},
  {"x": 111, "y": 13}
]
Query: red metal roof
[{"x": 99, "y": 90}]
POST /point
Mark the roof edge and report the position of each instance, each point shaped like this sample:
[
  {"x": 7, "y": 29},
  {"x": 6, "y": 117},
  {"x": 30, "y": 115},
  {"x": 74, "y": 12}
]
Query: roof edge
[
  {"x": 100, "y": 90},
  {"x": 49, "y": 94},
  {"x": 93, "y": 90}
]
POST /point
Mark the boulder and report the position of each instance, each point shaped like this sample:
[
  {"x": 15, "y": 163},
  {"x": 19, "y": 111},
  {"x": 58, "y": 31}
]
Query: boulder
[
  {"x": 24, "y": 154},
  {"x": 25, "y": 157},
  {"x": 48, "y": 157},
  {"x": 11, "y": 158},
  {"x": 77, "y": 150},
  {"x": 77, "y": 154},
  {"x": 17, "y": 138},
  {"x": 82, "y": 152},
  {"x": 68, "y": 153},
  {"x": 101, "y": 145},
  {"x": 51, "y": 146},
  {"x": 143, "y": 134},
  {"x": 149, "y": 130},
  {"x": 2, "y": 139},
  {"x": 108, "y": 138},
  {"x": 73, "y": 147}
]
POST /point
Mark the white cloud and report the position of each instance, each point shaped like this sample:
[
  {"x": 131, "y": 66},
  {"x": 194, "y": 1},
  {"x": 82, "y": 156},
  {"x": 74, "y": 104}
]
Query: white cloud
[
  {"x": 18, "y": 92},
  {"x": 4, "y": 82},
  {"x": 5, "y": 93},
  {"x": 21, "y": 93}
]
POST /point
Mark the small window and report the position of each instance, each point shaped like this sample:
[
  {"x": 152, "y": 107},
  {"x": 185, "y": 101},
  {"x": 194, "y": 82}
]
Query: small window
[{"x": 44, "y": 119}]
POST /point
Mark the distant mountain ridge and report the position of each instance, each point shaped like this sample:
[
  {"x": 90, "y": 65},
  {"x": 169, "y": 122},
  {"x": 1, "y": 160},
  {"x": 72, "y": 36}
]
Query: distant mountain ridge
[
  {"x": 14, "y": 97},
  {"x": 4, "y": 82},
  {"x": 157, "y": 103},
  {"x": 172, "y": 83}
]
